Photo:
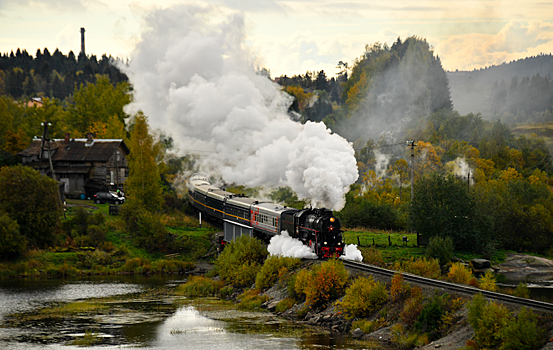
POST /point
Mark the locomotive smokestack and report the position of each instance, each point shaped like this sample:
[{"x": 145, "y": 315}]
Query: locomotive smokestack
[{"x": 82, "y": 41}]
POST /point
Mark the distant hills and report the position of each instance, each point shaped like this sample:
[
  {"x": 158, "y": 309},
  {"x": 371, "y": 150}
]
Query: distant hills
[{"x": 517, "y": 92}]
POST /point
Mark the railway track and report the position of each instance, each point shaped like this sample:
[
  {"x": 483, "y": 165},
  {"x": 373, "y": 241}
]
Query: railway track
[{"x": 452, "y": 287}]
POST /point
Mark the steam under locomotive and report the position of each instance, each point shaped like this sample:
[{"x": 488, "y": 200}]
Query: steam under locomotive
[{"x": 239, "y": 215}]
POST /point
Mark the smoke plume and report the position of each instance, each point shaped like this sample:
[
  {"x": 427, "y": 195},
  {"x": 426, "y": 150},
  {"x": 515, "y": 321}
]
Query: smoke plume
[
  {"x": 284, "y": 245},
  {"x": 352, "y": 253},
  {"x": 194, "y": 78}
]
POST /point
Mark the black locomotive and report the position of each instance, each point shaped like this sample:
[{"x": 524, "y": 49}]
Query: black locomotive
[{"x": 316, "y": 228}]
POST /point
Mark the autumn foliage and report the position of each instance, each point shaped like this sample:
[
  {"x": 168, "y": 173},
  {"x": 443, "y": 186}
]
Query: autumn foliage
[{"x": 322, "y": 283}]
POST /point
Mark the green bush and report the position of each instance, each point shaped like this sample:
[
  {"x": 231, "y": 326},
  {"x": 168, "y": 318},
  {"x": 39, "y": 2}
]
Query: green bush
[
  {"x": 241, "y": 260},
  {"x": 12, "y": 243},
  {"x": 429, "y": 319},
  {"x": 272, "y": 269},
  {"x": 523, "y": 334},
  {"x": 440, "y": 248},
  {"x": 226, "y": 292},
  {"x": 488, "y": 321},
  {"x": 322, "y": 282},
  {"x": 199, "y": 286},
  {"x": 32, "y": 200},
  {"x": 363, "y": 297},
  {"x": 285, "y": 304},
  {"x": 251, "y": 300}
]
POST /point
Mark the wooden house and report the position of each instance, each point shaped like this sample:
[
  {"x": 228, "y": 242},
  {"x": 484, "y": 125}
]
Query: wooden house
[{"x": 83, "y": 166}]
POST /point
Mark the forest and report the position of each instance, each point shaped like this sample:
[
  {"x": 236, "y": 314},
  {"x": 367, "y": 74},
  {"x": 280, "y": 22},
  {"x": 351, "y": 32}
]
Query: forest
[{"x": 474, "y": 180}]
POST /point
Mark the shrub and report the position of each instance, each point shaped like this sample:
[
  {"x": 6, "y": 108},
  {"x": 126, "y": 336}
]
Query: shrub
[
  {"x": 430, "y": 318},
  {"x": 522, "y": 291},
  {"x": 199, "y": 286},
  {"x": 412, "y": 307},
  {"x": 429, "y": 268},
  {"x": 406, "y": 340},
  {"x": 251, "y": 300},
  {"x": 474, "y": 282},
  {"x": 12, "y": 243},
  {"x": 523, "y": 334},
  {"x": 398, "y": 288},
  {"x": 226, "y": 292},
  {"x": 363, "y": 297},
  {"x": 369, "y": 326},
  {"x": 440, "y": 248},
  {"x": 285, "y": 304},
  {"x": 136, "y": 265},
  {"x": 488, "y": 321},
  {"x": 459, "y": 273},
  {"x": 241, "y": 260},
  {"x": 323, "y": 282},
  {"x": 487, "y": 282},
  {"x": 272, "y": 269}
]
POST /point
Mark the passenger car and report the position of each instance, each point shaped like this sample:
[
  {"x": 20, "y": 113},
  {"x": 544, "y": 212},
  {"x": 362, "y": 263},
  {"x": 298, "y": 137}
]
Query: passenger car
[{"x": 108, "y": 197}]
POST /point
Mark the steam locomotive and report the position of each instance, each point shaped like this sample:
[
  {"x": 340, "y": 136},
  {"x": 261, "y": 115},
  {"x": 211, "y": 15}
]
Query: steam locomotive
[{"x": 239, "y": 215}]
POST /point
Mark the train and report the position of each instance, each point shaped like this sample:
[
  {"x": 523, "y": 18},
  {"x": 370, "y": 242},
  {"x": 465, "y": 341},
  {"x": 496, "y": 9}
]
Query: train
[{"x": 316, "y": 228}]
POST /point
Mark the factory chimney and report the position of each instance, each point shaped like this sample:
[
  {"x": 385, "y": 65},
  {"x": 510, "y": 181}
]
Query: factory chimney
[{"x": 82, "y": 41}]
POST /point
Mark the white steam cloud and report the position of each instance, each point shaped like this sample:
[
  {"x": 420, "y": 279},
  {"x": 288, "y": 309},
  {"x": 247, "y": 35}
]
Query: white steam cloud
[
  {"x": 459, "y": 167},
  {"x": 351, "y": 252},
  {"x": 284, "y": 245},
  {"x": 194, "y": 79}
]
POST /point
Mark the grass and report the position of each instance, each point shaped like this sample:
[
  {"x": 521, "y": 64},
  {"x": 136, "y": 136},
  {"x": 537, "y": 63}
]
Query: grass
[
  {"x": 399, "y": 250},
  {"x": 79, "y": 307}
]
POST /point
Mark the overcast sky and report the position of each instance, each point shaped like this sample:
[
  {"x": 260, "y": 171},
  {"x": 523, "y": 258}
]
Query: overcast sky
[{"x": 298, "y": 35}]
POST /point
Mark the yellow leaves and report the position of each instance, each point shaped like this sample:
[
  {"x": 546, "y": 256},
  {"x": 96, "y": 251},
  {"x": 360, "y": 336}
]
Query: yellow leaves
[
  {"x": 113, "y": 128},
  {"x": 510, "y": 174},
  {"x": 15, "y": 141},
  {"x": 300, "y": 95},
  {"x": 427, "y": 158}
]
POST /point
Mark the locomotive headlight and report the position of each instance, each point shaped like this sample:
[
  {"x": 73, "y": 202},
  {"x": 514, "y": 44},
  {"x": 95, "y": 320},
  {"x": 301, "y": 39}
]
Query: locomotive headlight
[
  {"x": 325, "y": 243},
  {"x": 339, "y": 243},
  {"x": 332, "y": 219}
]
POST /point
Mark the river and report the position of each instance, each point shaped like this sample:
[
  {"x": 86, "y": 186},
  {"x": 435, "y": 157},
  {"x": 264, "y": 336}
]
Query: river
[{"x": 139, "y": 316}]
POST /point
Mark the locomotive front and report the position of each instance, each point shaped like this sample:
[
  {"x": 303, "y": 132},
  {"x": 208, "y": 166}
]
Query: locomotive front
[{"x": 323, "y": 231}]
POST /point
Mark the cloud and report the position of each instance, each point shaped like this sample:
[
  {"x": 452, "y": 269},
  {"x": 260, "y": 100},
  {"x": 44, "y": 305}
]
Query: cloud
[
  {"x": 58, "y": 5},
  {"x": 514, "y": 41},
  {"x": 67, "y": 37}
]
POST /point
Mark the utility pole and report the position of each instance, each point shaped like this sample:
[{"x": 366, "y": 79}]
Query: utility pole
[
  {"x": 46, "y": 140},
  {"x": 412, "y": 144}
]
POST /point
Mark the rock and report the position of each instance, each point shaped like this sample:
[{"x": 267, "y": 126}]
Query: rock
[
  {"x": 357, "y": 334},
  {"x": 271, "y": 304},
  {"x": 526, "y": 268},
  {"x": 481, "y": 264}
]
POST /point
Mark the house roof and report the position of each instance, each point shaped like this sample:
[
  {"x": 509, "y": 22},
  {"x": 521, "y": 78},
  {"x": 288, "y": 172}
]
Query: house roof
[{"x": 78, "y": 150}]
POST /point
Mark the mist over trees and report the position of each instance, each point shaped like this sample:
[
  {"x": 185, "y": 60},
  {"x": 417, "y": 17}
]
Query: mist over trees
[{"x": 516, "y": 92}]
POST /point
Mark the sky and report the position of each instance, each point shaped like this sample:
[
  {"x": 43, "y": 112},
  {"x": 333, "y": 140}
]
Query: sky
[{"x": 294, "y": 36}]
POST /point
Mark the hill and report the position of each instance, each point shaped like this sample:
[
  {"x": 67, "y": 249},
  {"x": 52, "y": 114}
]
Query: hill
[{"x": 516, "y": 92}]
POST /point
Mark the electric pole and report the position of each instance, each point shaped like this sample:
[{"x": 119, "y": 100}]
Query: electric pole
[{"x": 412, "y": 144}]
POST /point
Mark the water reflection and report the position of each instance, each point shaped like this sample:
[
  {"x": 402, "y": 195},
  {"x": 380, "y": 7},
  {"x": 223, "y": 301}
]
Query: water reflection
[{"x": 139, "y": 323}]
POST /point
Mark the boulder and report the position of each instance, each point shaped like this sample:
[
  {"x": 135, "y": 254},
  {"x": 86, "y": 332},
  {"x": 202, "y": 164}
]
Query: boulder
[
  {"x": 357, "y": 334},
  {"x": 481, "y": 264},
  {"x": 526, "y": 268}
]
